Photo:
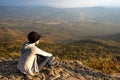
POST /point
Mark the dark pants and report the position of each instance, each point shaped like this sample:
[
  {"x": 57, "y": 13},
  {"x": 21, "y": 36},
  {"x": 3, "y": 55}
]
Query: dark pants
[{"x": 43, "y": 60}]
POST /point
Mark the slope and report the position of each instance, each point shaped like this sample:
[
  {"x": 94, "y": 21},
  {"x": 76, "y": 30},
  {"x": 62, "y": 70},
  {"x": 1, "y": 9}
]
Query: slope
[{"x": 69, "y": 70}]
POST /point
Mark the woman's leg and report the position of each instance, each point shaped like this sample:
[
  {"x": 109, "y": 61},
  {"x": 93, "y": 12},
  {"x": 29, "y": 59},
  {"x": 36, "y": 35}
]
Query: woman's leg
[{"x": 42, "y": 61}]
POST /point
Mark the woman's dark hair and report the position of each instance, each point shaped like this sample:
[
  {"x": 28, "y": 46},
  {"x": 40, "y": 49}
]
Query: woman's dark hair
[{"x": 33, "y": 37}]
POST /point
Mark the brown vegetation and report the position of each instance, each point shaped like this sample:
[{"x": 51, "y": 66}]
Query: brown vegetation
[{"x": 62, "y": 42}]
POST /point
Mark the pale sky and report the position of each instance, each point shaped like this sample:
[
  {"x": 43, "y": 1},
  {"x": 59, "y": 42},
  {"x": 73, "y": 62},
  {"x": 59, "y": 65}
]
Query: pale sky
[{"x": 63, "y": 3}]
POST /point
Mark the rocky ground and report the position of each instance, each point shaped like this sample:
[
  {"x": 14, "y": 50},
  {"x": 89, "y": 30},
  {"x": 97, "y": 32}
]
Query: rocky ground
[{"x": 68, "y": 70}]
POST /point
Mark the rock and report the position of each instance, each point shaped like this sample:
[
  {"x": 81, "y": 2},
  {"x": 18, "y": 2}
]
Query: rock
[
  {"x": 116, "y": 58},
  {"x": 69, "y": 70},
  {"x": 116, "y": 75},
  {"x": 0, "y": 76}
]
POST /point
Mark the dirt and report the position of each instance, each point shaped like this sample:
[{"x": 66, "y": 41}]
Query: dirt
[{"x": 67, "y": 70}]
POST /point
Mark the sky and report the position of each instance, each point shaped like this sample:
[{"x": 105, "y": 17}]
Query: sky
[{"x": 62, "y": 3}]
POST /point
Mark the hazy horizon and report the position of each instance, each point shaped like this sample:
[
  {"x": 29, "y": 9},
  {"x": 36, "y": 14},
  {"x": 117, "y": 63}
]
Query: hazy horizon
[{"x": 62, "y": 3}]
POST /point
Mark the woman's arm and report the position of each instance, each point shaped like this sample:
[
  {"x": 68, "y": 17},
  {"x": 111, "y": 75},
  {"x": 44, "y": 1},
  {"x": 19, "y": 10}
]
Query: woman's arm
[{"x": 43, "y": 53}]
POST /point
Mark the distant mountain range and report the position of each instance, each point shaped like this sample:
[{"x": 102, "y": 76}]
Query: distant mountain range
[{"x": 100, "y": 14}]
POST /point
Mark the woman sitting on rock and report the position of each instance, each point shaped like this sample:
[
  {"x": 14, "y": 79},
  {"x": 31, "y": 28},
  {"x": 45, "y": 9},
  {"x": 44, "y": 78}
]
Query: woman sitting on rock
[{"x": 29, "y": 63}]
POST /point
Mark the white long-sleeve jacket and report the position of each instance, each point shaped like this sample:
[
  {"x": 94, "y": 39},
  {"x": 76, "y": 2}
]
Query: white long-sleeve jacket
[{"x": 27, "y": 63}]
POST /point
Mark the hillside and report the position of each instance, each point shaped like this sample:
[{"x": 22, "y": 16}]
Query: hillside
[
  {"x": 68, "y": 70},
  {"x": 96, "y": 54},
  {"x": 104, "y": 54}
]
